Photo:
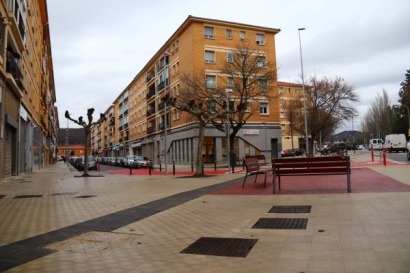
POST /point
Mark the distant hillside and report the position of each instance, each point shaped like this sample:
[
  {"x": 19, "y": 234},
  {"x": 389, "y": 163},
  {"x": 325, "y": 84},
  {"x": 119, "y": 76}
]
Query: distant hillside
[{"x": 75, "y": 136}]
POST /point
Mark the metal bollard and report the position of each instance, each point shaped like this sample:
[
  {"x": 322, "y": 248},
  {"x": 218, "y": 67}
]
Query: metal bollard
[
  {"x": 192, "y": 166},
  {"x": 130, "y": 169},
  {"x": 215, "y": 165},
  {"x": 149, "y": 167},
  {"x": 160, "y": 167},
  {"x": 203, "y": 172},
  {"x": 173, "y": 167}
]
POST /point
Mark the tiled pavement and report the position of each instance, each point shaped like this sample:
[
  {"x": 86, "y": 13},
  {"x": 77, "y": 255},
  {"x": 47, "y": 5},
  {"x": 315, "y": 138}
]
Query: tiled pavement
[{"x": 141, "y": 223}]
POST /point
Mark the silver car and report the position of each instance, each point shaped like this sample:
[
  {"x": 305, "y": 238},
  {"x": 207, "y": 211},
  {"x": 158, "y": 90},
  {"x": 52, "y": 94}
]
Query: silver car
[{"x": 141, "y": 161}]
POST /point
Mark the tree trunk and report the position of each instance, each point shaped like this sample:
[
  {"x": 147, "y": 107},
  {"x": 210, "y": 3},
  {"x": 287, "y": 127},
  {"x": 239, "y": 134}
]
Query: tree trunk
[
  {"x": 198, "y": 165},
  {"x": 87, "y": 145}
]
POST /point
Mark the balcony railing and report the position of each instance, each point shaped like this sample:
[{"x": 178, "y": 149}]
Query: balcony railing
[{"x": 13, "y": 67}]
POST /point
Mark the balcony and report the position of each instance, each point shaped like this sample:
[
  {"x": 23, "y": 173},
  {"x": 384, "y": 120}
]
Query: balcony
[
  {"x": 13, "y": 67},
  {"x": 150, "y": 112},
  {"x": 151, "y": 92},
  {"x": 150, "y": 130}
]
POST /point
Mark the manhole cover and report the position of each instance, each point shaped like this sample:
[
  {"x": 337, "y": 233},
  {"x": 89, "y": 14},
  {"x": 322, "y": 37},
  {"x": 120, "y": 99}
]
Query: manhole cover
[
  {"x": 281, "y": 223},
  {"x": 84, "y": 196},
  {"x": 28, "y": 196},
  {"x": 94, "y": 242},
  {"x": 229, "y": 247},
  {"x": 290, "y": 209}
]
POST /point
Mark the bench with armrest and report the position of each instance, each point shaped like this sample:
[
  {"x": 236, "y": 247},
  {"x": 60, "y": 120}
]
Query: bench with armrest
[
  {"x": 253, "y": 167},
  {"x": 331, "y": 165}
]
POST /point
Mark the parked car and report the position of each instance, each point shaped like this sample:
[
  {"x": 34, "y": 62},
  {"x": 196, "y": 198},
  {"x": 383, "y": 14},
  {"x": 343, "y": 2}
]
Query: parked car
[
  {"x": 335, "y": 148},
  {"x": 292, "y": 152},
  {"x": 141, "y": 161},
  {"x": 92, "y": 163}
]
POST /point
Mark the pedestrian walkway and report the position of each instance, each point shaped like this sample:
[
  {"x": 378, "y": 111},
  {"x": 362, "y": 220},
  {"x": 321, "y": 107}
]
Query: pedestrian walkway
[{"x": 52, "y": 221}]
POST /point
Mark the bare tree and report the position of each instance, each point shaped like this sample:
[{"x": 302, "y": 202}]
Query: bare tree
[
  {"x": 249, "y": 77},
  {"x": 87, "y": 130},
  {"x": 200, "y": 100},
  {"x": 380, "y": 118},
  {"x": 330, "y": 103}
]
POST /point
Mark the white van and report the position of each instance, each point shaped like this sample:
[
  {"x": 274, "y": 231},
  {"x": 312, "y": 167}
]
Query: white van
[
  {"x": 376, "y": 143},
  {"x": 395, "y": 142}
]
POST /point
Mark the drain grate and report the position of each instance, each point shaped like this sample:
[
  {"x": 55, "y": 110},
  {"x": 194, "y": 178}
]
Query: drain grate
[
  {"x": 28, "y": 196},
  {"x": 85, "y": 196},
  {"x": 229, "y": 247},
  {"x": 281, "y": 223},
  {"x": 290, "y": 209}
]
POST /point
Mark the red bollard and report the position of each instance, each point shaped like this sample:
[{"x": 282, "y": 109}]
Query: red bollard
[
  {"x": 372, "y": 152},
  {"x": 384, "y": 156}
]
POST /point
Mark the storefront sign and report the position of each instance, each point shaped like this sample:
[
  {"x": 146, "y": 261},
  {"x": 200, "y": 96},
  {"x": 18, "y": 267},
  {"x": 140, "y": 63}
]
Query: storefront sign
[{"x": 250, "y": 132}]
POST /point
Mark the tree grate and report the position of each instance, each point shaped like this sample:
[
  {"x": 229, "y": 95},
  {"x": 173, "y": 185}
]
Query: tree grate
[
  {"x": 281, "y": 223},
  {"x": 290, "y": 209},
  {"x": 27, "y": 196},
  {"x": 228, "y": 247}
]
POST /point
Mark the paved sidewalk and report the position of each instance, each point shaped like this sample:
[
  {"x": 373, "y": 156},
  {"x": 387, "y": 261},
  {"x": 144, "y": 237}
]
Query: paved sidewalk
[{"x": 52, "y": 221}]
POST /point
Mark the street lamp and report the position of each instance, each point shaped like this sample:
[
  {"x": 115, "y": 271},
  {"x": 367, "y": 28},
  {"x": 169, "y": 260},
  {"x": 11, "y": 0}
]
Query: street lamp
[{"x": 304, "y": 94}]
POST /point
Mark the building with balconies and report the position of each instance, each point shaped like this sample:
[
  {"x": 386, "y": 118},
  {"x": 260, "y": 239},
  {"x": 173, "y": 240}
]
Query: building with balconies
[
  {"x": 144, "y": 125},
  {"x": 28, "y": 116}
]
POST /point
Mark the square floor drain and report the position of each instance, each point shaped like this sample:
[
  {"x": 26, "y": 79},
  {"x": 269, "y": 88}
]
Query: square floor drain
[
  {"x": 290, "y": 209},
  {"x": 28, "y": 196},
  {"x": 281, "y": 223},
  {"x": 228, "y": 247}
]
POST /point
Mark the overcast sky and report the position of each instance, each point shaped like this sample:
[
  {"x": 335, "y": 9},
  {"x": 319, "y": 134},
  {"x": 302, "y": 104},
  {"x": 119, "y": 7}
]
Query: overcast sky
[{"x": 98, "y": 46}]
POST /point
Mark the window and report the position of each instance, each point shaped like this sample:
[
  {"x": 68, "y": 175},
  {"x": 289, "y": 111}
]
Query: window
[
  {"x": 210, "y": 81},
  {"x": 228, "y": 33},
  {"x": 209, "y": 56},
  {"x": 263, "y": 85},
  {"x": 209, "y": 32},
  {"x": 263, "y": 108},
  {"x": 242, "y": 35},
  {"x": 260, "y": 39},
  {"x": 229, "y": 57},
  {"x": 212, "y": 106},
  {"x": 261, "y": 61},
  {"x": 229, "y": 82}
]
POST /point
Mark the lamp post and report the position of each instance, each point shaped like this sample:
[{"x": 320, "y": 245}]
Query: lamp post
[{"x": 304, "y": 94}]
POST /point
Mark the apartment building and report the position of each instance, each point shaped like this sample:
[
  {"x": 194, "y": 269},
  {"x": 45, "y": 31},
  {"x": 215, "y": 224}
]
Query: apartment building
[
  {"x": 291, "y": 99},
  {"x": 28, "y": 116},
  {"x": 140, "y": 123}
]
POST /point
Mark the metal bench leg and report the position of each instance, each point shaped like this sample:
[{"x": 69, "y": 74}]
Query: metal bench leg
[
  {"x": 244, "y": 180},
  {"x": 256, "y": 176},
  {"x": 264, "y": 183},
  {"x": 274, "y": 183}
]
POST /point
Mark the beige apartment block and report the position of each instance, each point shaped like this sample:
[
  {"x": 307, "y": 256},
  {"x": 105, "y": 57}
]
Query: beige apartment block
[
  {"x": 139, "y": 123},
  {"x": 28, "y": 116},
  {"x": 290, "y": 93}
]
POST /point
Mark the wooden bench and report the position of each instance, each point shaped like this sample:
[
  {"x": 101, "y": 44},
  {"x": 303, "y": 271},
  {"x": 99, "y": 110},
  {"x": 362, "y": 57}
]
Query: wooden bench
[
  {"x": 253, "y": 167},
  {"x": 331, "y": 165}
]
